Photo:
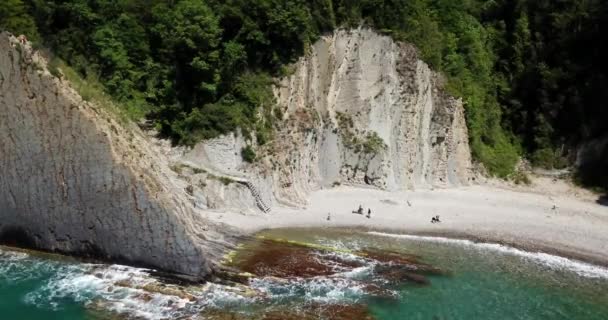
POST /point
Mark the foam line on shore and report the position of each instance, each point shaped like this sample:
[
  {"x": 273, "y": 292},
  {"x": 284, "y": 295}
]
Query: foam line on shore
[{"x": 552, "y": 261}]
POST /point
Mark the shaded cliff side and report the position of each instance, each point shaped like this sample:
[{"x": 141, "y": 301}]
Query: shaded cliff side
[
  {"x": 75, "y": 180},
  {"x": 359, "y": 109}
]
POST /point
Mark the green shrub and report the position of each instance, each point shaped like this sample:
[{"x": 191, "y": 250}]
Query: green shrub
[
  {"x": 519, "y": 177},
  {"x": 248, "y": 154},
  {"x": 225, "y": 180},
  {"x": 53, "y": 67},
  {"x": 548, "y": 158},
  {"x": 373, "y": 144},
  {"x": 198, "y": 170}
]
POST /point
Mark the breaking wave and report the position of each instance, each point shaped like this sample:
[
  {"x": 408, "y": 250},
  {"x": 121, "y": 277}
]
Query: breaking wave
[
  {"x": 135, "y": 293},
  {"x": 124, "y": 290},
  {"x": 551, "y": 261}
]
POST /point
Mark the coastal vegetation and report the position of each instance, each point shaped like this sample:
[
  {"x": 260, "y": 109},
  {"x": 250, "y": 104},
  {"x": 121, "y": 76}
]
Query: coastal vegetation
[
  {"x": 370, "y": 143},
  {"x": 531, "y": 73},
  {"x": 248, "y": 154}
]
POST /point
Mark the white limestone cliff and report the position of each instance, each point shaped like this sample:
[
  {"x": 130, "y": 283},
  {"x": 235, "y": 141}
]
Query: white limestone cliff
[
  {"x": 359, "y": 109},
  {"x": 73, "y": 179}
]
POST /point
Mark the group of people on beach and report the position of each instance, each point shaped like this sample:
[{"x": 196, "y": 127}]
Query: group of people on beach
[{"x": 360, "y": 211}]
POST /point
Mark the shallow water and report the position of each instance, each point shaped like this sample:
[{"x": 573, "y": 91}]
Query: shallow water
[{"x": 480, "y": 281}]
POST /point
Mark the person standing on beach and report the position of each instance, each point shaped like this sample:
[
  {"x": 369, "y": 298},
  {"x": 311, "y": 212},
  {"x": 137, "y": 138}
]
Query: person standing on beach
[{"x": 369, "y": 213}]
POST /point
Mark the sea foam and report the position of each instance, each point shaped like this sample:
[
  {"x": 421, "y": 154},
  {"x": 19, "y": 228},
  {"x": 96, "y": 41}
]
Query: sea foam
[
  {"x": 115, "y": 288},
  {"x": 551, "y": 261}
]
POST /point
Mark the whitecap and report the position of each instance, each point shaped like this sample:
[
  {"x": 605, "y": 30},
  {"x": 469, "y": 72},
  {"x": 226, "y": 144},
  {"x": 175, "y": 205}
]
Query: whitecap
[
  {"x": 551, "y": 261},
  {"x": 318, "y": 289},
  {"x": 18, "y": 266}
]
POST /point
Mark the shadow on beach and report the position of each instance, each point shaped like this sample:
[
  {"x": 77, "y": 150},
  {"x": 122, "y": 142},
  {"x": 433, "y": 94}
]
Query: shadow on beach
[{"x": 603, "y": 200}]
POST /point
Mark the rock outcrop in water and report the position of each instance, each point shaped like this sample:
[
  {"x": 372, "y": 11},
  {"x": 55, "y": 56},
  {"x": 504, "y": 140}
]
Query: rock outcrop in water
[
  {"x": 74, "y": 179},
  {"x": 359, "y": 109}
]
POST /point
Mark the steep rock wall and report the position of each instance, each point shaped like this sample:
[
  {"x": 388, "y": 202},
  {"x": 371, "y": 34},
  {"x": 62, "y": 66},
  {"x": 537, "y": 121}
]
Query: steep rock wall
[
  {"x": 380, "y": 117},
  {"x": 359, "y": 109},
  {"x": 75, "y": 180}
]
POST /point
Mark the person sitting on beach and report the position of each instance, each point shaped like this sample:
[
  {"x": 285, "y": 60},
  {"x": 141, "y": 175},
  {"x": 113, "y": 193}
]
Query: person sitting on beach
[{"x": 435, "y": 219}]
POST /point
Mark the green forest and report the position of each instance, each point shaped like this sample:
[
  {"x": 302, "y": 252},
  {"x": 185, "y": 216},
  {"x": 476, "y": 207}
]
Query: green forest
[{"x": 532, "y": 73}]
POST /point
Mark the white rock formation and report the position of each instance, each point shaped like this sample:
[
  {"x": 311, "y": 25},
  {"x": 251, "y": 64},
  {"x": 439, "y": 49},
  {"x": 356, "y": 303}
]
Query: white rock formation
[
  {"x": 359, "y": 109},
  {"x": 75, "y": 180}
]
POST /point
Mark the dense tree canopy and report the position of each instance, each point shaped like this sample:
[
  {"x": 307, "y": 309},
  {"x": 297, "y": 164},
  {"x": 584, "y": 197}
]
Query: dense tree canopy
[
  {"x": 14, "y": 17},
  {"x": 532, "y": 73}
]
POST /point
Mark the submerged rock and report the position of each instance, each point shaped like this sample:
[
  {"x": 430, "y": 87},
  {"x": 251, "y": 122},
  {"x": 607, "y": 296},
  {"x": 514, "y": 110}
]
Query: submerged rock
[
  {"x": 288, "y": 259},
  {"x": 304, "y": 312},
  {"x": 283, "y": 260},
  {"x": 398, "y": 275},
  {"x": 397, "y": 260},
  {"x": 297, "y": 267}
]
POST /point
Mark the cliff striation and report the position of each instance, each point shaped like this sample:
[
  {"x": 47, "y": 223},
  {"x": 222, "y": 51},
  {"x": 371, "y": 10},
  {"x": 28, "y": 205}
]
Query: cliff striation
[
  {"x": 73, "y": 179},
  {"x": 359, "y": 109}
]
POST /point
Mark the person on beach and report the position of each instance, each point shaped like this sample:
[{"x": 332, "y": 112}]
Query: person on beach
[
  {"x": 359, "y": 211},
  {"x": 369, "y": 213},
  {"x": 328, "y": 216}
]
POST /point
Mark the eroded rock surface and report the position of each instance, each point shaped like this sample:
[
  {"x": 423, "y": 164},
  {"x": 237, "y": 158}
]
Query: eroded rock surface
[
  {"x": 75, "y": 180},
  {"x": 359, "y": 109}
]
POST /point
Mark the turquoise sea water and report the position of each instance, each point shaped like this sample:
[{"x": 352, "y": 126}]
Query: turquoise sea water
[
  {"x": 489, "y": 282},
  {"x": 22, "y": 281},
  {"x": 482, "y": 282}
]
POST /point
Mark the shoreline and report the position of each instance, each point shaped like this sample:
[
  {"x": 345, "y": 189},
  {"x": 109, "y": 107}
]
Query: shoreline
[
  {"x": 527, "y": 221},
  {"x": 577, "y": 229},
  {"x": 522, "y": 246},
  {"x": 473, "y": 239}
]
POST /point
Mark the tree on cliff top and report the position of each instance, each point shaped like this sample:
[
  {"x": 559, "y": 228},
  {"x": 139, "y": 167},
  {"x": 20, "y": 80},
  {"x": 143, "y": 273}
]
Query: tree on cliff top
[{"x": 15, "y": 18}]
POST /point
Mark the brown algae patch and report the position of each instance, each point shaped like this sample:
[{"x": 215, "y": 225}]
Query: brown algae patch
[
  {"x": 311, "y": 311},
  {"x": 309, "y": 280},
  {"x": 281, "y": 259}
]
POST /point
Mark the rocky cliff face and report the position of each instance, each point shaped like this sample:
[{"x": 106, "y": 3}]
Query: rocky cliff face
[
  {"x": 73, "y": 179},
  {"x": 359, "y": 109}
]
